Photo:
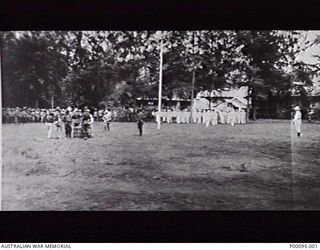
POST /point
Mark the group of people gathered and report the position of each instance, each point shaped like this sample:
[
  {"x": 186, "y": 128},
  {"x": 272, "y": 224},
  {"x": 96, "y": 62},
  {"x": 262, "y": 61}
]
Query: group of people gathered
[
  {"x": 23, "y": 115},
  {"x": 30, "y": 115},
  {"x": 229, "y": 115},
  {"x": 77, "y": 122}
]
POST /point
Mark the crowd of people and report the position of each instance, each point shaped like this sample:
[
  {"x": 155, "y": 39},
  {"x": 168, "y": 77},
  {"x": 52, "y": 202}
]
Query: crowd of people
[
  {"x": 230, "y": 116},
  {"x": 76, "y": 122},
  {"x": 27, "y": 114}
]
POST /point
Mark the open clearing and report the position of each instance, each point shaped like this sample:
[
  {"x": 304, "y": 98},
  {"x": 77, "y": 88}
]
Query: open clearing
[{"x": 259, "y": 165}]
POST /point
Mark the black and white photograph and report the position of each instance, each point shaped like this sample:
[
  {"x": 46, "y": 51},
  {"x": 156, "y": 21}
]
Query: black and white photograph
[{"x": 160, "y": 120}]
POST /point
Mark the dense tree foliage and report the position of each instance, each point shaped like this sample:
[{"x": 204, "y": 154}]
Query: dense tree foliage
[{"x": 115, "y": 67}]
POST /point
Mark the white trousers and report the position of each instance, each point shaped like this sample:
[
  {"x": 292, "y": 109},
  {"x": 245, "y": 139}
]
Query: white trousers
[
  {"x": 298, "y": 126},
  {"x": 178, "y": 119},
  {"x": 207, "y": 122},
  {"x": 50, "y": 127},
  {"x": 158, "y": 119}
]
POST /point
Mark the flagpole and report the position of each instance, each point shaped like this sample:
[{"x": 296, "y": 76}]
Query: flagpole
[{"x": 160, "y": 82}]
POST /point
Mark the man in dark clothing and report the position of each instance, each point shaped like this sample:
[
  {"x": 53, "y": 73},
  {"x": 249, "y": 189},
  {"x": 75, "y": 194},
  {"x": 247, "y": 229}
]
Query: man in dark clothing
[
  {"x": 140, "y": 126},
  {"x": 67, "y": 119},
  {"x": 86, "y": 119}
]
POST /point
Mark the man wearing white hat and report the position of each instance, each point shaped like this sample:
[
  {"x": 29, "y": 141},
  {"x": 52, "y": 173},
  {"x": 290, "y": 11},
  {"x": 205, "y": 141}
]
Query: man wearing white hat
[{"x": 297, "y": 120}]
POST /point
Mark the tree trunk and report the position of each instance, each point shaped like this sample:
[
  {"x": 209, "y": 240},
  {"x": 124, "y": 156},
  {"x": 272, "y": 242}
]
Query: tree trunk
[
  {"x": 192, "y": 92},
  {"x": 247, "y": 114},
  {"x": 278, "y": 110},
  {"x": 254, "y": 114},
  {"x": 52, "y": 102},
  {"x": 27, "y": 98}
]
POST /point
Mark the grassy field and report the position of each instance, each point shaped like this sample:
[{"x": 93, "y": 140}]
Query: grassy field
[{"x": 260, "y": 165}]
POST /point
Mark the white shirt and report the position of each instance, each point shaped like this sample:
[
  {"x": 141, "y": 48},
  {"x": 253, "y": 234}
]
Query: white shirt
[
  {"x": 297, "y": 116},
  {"x": 107, "y": 117}
]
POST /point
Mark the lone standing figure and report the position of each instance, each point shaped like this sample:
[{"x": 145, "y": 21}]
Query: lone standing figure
[
  {"x": 140, "y": 126},
  {"x": 297, "y": 120}
]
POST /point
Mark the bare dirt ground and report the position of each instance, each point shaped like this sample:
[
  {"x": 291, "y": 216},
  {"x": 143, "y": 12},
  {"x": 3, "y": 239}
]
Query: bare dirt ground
[{"x": 260, "y": 165}]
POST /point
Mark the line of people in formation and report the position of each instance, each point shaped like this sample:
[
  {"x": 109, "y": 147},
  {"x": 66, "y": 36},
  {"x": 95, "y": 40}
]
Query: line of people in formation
[
  {"x": 230, "y": 116},
  {"x": 29, "y": 115}
]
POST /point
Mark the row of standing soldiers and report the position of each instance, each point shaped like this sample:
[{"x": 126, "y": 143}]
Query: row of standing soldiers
[
  {"x": 30, "y": 115},
  {"x": 228, "y": 116},
  {"x": 23, "y": 115}
]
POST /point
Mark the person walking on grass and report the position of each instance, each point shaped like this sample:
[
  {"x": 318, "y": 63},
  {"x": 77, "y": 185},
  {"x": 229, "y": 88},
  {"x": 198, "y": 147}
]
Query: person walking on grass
[
  {"x": 140, "y": 126},
  {"x": 297, "y": 120},
  {"x": 107, "y": 117}
]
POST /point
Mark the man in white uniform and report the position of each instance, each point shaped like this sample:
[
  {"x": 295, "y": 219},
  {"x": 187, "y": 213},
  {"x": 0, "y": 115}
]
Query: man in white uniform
[
  {"x": 178, "y": 116},
  {"x": 183, "y": 116},
  {"x": 195, "y": 116},
  {"x": 199, "y": 117},
  {"x": 206, "y": 118},
  {"x": 169, "y": 116},
  {"x": 232, "y": 115},
  {"x": 188, "y": 116},
  {"x": 225, "y": 116},
  {"x": 228, "y": 114},
  {"x": 214, "y": 118},
  {"x": 164, "y": 115},
  {"x": 242, "y": 116},
  {"x": 297, "y": 120},
  {"x": 157, "y": 115}
]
